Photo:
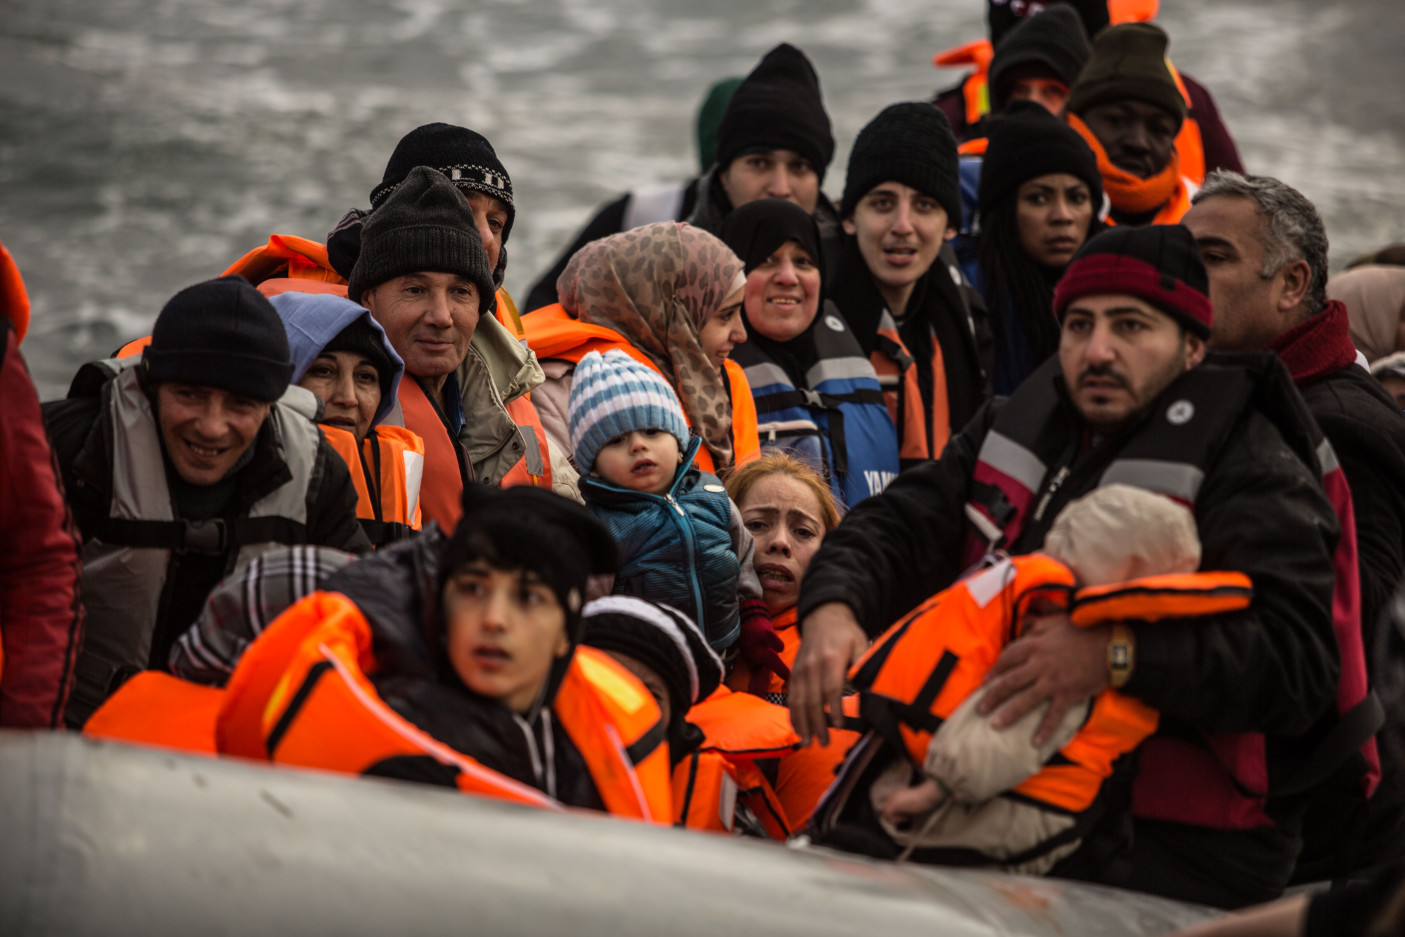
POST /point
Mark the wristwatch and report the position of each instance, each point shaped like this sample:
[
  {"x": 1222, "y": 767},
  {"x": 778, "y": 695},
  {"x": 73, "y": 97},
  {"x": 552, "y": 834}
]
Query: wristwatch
[{"x": 1121, "y": 655}]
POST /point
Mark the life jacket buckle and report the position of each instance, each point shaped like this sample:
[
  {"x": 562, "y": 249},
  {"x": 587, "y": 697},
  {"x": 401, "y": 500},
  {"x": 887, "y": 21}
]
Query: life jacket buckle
[{"x": 206, "y": 536}]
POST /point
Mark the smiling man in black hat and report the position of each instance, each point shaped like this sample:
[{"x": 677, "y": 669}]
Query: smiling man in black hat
[{"x": 182, "y": 465}]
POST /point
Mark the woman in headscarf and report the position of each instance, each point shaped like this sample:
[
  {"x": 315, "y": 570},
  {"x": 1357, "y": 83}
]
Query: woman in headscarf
[
  {"x": 817, "y": 396},
  {"x": 669, "y": 295},
  {"x": 1040, "y": 195},
  {"x": 1374, "y": 296}
]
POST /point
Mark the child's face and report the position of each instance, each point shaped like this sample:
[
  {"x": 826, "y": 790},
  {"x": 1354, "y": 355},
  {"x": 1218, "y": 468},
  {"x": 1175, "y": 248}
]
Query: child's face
[
  {"x": 503, "y": 630},
  {"x": 641, "y": 460}
]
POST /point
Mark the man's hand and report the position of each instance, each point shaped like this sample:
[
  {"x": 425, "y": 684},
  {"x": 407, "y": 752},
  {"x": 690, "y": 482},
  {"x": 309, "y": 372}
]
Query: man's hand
[
  {"x": 1053, "y": 660},
  {"x": 831, "y": 640}
]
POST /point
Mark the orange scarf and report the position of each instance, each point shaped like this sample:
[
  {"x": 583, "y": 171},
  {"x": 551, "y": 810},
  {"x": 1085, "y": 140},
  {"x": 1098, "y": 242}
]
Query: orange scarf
[{"x": 1129, "y": 193}]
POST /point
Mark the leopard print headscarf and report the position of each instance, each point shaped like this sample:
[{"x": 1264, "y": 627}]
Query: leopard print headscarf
[{"x": 657, "y": 285}]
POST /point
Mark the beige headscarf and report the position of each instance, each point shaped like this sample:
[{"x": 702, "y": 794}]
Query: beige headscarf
[
  {"x": 657, "y": 286},
  {"x": 1375, "y": 305},
  {"x": 1118, "y": 532}
]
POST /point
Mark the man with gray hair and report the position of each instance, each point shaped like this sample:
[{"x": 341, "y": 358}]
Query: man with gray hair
[{"x": 1265, "y": 249}]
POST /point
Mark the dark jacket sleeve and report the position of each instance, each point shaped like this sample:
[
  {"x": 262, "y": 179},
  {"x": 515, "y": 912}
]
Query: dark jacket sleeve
[
  {"x": 41, "y": 621},
  {"x": 608, "y": 220},
  {"x": 331, "y": 505},
  {"x": 1274, "y": 667},
  {"x": 895, "y": 549}
]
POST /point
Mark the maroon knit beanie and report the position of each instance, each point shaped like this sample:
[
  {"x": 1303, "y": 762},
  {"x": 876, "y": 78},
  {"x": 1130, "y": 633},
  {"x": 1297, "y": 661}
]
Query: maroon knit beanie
[{"x": 1159, "y": 264}]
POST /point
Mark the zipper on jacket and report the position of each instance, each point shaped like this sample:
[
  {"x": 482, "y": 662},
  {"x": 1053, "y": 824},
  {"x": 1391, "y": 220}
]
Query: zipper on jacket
[
  {"x": 1049, "y": 492},
  {"x": 690, "y": 545}
]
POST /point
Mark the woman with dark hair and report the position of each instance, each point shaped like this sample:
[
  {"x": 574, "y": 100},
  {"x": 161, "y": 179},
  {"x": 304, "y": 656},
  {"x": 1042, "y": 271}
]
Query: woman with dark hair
[
  {"x": 817, "y": 396},
  {"x": 1040, "y": 200}
]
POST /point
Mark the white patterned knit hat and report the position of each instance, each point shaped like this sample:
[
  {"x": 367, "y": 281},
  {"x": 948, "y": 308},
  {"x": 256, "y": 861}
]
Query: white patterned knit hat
[{"x": 612, "y": 394}]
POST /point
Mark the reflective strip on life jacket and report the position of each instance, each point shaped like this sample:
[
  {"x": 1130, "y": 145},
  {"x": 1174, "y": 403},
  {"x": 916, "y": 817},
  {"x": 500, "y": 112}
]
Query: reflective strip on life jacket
[
  {"x": 534, "y": 468},
  {"x": 838, "y": 423}
]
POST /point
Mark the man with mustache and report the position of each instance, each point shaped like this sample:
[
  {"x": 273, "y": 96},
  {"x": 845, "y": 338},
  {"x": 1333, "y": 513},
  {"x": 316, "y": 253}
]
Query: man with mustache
[
  {"x": 1127, "y": 105},
  {"x": 1130, "y": 398}
]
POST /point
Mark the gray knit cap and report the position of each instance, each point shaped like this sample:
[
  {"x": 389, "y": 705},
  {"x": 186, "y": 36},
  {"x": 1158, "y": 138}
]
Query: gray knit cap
[{"x": 424, "y": 224}]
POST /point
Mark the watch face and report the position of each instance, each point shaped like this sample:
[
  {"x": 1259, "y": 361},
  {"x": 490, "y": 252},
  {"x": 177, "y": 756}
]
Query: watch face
[{"x": 1121, "y": 655}]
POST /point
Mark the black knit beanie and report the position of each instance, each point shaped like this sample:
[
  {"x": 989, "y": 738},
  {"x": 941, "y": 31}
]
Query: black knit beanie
[
  {"x": 535, "y": 530},
  {"x": 466, "y": 158},
  {"x": 910, "y": 143},
  {"x": 1159, "y": 264},
  {"x": 361, "y": 339},
  {"x": 1052, "y": 41},
  {"x": 777, "y": 107},
  {"x": 1003, "y": 15},
  {"x": 662, "y": 639},
  {"x": 424, "y": 224},
  {"x": 221, "y": 333},
  {"x": 1027, "y": 142},
  {"x": 1128, "y": 62}
]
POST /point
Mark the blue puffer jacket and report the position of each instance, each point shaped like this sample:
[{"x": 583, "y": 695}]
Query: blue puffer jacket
[{"x": 675, "y": 548}]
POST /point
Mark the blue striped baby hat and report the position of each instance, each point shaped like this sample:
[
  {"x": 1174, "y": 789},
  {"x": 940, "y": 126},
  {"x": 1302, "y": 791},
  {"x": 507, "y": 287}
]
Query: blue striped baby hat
[{"x": 612, "y": 394}]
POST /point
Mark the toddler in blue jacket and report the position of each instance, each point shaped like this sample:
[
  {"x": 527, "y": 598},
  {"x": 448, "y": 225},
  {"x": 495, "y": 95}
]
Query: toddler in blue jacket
[{"x": 680, "y": 537}]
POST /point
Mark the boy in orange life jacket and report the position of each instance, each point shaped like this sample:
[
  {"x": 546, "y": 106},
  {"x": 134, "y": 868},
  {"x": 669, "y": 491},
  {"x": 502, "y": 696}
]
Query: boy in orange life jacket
[
  {"x": 1113, "y": 534},
  {"x": 681, "y": 539},
  {"x": 480, "y": 664}
]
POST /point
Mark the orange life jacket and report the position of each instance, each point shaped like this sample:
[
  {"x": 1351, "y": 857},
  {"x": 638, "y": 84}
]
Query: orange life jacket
[
  {"x": 14, "y": 299},
  {"x": 738, "y": 729},
  {"x": 924, "y": 666},
  {"x": 307, "y": 695},
  {"x": 975, "y": 90},
  {"x": 445, "y": 463},
  {"x": 386, "y": 470},
  {"x": 897, "y": 375},
  {"x": 552, "y": 333},
  {"x": 155, "y": 708}
]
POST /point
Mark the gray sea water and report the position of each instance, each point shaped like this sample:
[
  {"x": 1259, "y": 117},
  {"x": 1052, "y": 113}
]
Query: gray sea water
[{"x": 147, "y": 144}]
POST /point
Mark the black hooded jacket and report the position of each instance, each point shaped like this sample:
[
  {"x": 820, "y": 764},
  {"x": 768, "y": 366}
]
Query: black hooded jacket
[{"x": 398, "y": 590}]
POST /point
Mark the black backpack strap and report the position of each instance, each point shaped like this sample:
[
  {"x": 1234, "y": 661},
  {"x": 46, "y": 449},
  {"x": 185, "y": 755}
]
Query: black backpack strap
[
  {"x": 1352, "y": 730},
  {"x": 212, "y": 537}
]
